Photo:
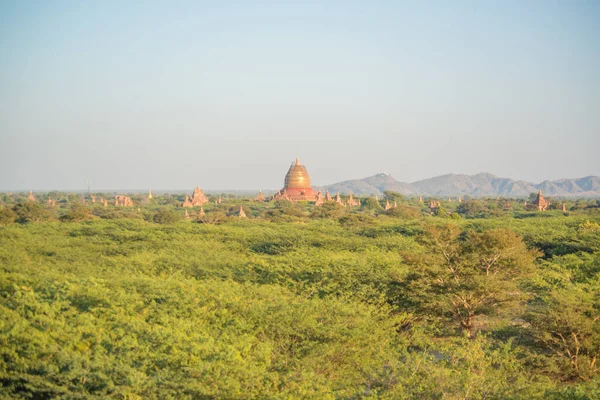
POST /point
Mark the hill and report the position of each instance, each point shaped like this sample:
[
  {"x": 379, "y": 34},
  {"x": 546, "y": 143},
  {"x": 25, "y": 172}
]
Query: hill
[{"x": 479, "y": 185}]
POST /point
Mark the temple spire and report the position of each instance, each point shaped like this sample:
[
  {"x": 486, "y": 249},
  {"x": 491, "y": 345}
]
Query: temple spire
[{"x": 297, "y": 161}]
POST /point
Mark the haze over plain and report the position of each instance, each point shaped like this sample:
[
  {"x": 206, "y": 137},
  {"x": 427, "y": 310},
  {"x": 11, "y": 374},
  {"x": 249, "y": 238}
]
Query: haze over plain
[{"x": 178, "y": 94}]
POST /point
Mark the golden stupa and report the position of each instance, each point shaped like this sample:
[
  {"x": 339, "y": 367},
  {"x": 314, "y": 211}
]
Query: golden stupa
[
  {"x": 296, "y": 186},
  {"x": 297, "y": 177}
]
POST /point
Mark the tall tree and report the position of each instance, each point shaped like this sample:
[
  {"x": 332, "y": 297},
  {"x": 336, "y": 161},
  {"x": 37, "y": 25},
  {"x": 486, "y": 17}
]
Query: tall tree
[
  {"x": 30, "y": 211},
  {"x": 476, "y": 274}
]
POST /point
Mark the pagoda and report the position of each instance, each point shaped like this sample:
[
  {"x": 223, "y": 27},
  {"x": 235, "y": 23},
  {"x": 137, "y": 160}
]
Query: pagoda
[
  {"x": 198, "y": 199},
  {"x": 296, "y": 185},
  {"x": 123, "y": 201},
  {"x": 260, "y": 196},
  {"x": 352, "y": 201},
  {"x": 541, "y": 203},
  {"x": 319, "y": 199},
  {"x": 338, "y": 199}
]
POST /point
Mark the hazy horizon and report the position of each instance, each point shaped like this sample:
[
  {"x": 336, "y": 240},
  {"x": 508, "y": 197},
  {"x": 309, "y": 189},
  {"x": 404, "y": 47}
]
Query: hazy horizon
[
  {"x": 225, "y": 96},
  {"x": 271, "y": 190}
]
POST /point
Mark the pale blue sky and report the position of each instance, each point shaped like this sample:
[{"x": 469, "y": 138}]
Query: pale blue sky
[{"x": 224, "y": 95}]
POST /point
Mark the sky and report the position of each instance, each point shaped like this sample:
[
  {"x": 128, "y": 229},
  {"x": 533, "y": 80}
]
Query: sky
[{"x": 226, "y": 94}]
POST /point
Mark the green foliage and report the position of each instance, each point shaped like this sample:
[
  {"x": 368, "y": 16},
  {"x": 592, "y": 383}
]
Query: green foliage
[
  {"x": 473, "y": 209},
  {"x": 402, "y": 211},
  {"x": 357, "y": 221},
  {"x": 329, "y": 210},
  {"x": 213, "y": 218},
  {"x": 30, "y": 211},
  {"x": 588, "y": 226},
  {"x": 475, "y": 274},
  {"x": 284, "y": 210},
  {"x": 298, "y": 302},
  {"x": 77, "y": 213},
  {"x": 116, "y": 213},
  {"x": 565, "y": 315},
  {"x": 7, "y": 216},
  {"x": 166, "y": 217},
  {"x": 440, "y": 212},
  {"x": 371, "y": 203},
  {"x": 392, "y": 196}
]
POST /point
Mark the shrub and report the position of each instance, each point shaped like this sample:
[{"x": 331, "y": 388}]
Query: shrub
[
  {"x": 30, "y": 211},
  {"x": 165, "y": 217},
  {"x": 7, "y": 216},
  {"x": 403, "y": 211}
]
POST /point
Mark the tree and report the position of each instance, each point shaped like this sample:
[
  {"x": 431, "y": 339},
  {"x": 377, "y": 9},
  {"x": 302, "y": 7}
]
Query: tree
[
  {"x": 7, "y": 216},
  {"x": 328, "y": 210},
  {"x": 165, "y": 217},
  {"x": 77, "y": 213},
  {"x": 371, "y": 203},
  {"x": 440, "y": 211},
  {"x": 30, "y": 211},
  {"x": 403, "y": 211},
  {"x": 473, "y": 209},
  {"x": 357, "y": 220},
  {"x": 213, "y": 218},
  {"x": 287, "y": 207},
  {"x": 477, "y": 274},
  {"x": 567, "y": 322},
  {"x": 394, "y": 196}
]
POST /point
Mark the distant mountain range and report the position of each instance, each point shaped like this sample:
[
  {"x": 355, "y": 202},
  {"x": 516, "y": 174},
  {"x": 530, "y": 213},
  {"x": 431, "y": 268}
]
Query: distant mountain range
[{"x": 479, "y": 185}]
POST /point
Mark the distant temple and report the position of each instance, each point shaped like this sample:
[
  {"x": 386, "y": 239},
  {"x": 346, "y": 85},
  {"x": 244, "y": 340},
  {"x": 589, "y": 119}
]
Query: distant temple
[
  {"x": 198, "y": 199},
  {"x": 296, "y": 185},
  {"x": 541, "y": 203},
  {"x": 31, "y": 197},
  {"x": 432, "y": 205},
  {"x": 123, "y": 201},
  {"x": 352, "y": 201},
  {"x": 319, "y": 199},
  {"x": 150, "y": 194},
  {"x": 260, "y": 196},
  {"x": 389, "y": 206},
  {"x": 338, "y": 199}
]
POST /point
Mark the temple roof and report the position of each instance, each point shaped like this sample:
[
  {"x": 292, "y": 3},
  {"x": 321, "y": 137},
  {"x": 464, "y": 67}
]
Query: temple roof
[{"x": 297, "y": 177}]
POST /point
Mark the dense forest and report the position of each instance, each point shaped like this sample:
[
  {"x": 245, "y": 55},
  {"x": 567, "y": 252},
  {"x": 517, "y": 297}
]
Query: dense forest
[{"x": 480, "y": 299}]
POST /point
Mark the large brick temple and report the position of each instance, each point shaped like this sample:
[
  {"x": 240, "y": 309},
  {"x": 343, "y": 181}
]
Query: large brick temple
[{"x": 297, "y": 185}]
